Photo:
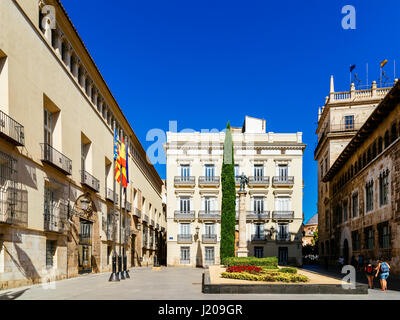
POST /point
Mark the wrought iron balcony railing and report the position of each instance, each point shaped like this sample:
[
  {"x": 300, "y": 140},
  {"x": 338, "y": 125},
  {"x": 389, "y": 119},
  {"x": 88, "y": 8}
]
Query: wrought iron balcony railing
[
  {"x": 56, "y": 217},
  {"x": 128, "y": 205},
  {"x": 209, "y": 238},
  {"x": 137, "y": 213},
  {"x": 283, "y": 215},
  {"x": 257, "y": 215},
  {"x": 145, "y": 218},
  {"x": 152, "y": 223},
  {"x": 110, "y": 195},
  {"x": 90, "y": 181},
  {"x": 282, "y": 181},
  {"x": 209, "y": 181},
  {"x": 258, "y": 238},
  {"x": 185, "y": 238},
  {"x": 56, "y": 159},
  {"x": 185, "y": 181},
  {"x": 184, "y": 215},
  {"x": 11, "y": 130},
  {"x": 258, "y": 181},
  {"x": 209, "y": 215},
  {"x": 284, "y": 237}
]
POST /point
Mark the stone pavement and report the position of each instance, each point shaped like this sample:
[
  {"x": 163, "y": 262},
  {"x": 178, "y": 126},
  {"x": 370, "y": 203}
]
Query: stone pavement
[{"x": 167, "y": 284}]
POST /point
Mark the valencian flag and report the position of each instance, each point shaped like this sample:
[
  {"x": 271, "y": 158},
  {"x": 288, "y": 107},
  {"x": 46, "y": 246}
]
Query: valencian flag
[
  {"x": 117, "y": 158},
  {"x": 122, "y": 159},
  {"x": 383, "y": 63}
]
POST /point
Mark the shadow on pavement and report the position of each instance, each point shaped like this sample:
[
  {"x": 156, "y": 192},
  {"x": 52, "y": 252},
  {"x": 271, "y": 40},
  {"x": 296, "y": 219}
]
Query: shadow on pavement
[
  {"x": 393, "y": 282},
  {"x": 13, "y": 295}
]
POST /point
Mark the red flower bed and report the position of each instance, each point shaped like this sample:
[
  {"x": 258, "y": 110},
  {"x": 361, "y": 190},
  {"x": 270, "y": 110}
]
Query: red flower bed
[{"x": 249, "y": 269}]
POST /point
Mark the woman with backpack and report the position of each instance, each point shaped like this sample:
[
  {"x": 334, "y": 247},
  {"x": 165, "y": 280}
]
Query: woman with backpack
[
  {"x": 383, "y": 268},
  {"x": 369, "y": 272}
]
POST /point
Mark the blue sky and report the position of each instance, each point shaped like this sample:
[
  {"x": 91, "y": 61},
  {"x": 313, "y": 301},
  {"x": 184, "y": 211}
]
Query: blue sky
[{"x": 203, "y": 62}]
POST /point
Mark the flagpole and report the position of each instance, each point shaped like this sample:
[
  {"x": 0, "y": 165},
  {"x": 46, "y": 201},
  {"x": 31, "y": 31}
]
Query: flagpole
[
  {"x": 114, "y": 275},
  {"x": 121, "y": 274},
  {"x": 367, "y": 76},
  {"x": 394, "y": 70},
  {"x": 126, "y": 273}
]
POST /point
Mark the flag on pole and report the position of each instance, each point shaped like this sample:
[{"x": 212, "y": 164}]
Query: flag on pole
[
  {"x": 122, "y": 158},
  {"x": 127, "y": 162},
  {"x": 383, "y": 63},
  {"x": 352, "y": 67},
  {"x": 117, "y": 158}
]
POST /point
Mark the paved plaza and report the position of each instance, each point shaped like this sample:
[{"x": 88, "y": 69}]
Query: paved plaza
[{"x": 167, "y": 283}]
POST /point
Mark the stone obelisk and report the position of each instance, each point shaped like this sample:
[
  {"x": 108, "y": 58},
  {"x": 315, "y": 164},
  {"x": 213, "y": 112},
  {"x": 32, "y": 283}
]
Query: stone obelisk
[{"x": 242, "y": 249}]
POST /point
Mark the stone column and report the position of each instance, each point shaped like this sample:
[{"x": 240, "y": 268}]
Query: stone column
[
  {"x": 75, "y": 67},
  {"x": 68, "y": 56},
  {"x": 58, "y": 42},
  {"x": 242, "y": 249}
]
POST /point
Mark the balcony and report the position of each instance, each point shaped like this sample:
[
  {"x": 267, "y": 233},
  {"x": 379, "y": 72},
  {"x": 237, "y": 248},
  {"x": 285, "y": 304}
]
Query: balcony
[
  {"x": 85, "y": 239},
  {"x": 137, "y": 213},
  {"x": 152, "y": 223},
  {"x": 209, "y": 215},
  {"x": 56, "y": 159},
  {"x": 184, "y": 215},
  {"x": 282, "y": 215},
  {"x": 211, "y": 181},
  {"x": 180, "y": 181},
  {"x": 185, "y": 238},
  {"x": 282, "y": 181},
  {"x": 258, "y": 238},
  {"x": 157, "y": 226},
  {"x": 283, "y": 237},
  {"x": 128, "y": 205},
  {"x": 145, "y": 218},
  {"x": 110, "y": 195},
  {"x": 257, "y": 215},
  {"x": 209, "y": 238},
  {"x": 258, "y": 181},
  {"x": 11, "y": 130},
  {"x": 88, "y": 180},
  {"x": 56, "y": 218}
]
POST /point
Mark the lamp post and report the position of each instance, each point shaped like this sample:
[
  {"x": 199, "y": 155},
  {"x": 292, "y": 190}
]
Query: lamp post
[{"x": 272, "y": 231}]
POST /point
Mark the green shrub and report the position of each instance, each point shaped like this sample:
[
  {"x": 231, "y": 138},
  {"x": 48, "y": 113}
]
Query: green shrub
[
  {"x": 268, "y": 277},
  {"x": 251, "y": 261},
  {"x": 288, "y": 270}
]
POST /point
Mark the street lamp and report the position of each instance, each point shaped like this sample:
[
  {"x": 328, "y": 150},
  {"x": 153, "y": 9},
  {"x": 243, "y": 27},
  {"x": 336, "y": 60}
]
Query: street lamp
[{"x": 272, "y": 231}]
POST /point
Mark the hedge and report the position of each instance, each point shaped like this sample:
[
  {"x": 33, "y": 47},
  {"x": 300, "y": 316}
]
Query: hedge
[
  {"x": 267, "y": 277},
  {"x": 251, "y": 261},
  {"x": 288, "y": 270}
]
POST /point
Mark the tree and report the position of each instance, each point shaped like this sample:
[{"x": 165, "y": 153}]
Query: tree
[{"x": 228, "y": 214}]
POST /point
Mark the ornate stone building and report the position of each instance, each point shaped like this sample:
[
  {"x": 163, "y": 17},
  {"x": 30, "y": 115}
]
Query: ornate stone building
[
  {"x": 309, "y": 228},
  {"x": 57, "y": 121},
  {"x": 272, "y": 161},
  {"x": 362, "y": 212}
]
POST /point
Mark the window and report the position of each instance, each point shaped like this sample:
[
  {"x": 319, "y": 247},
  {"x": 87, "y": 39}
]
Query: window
[
  {"x": 185, "y": 172},
  {"x": 109, "y": 250},
  {"x": 48, "y": 127},
  {"x": 387, "y": 139},
  {"x": 283, "y": 232},
  {"x": 208, "y": 204},
  {"x": 345, "y": 210},
  {"x": 349, "y": 122},
  {"x": 185, "y": 255},
  {"x": 184, "y": 204},
  {"x": 384, "y": 235},
  {"x": 209, "y": 172},
  {"x": 282, "y": 204},
  {"x": 209, "y": 229},
  {"x": 283, "y": 172},
  {"x": 259, "y": 232},
  {"x": 258, "y": 204},
  {"x": 355, "y": 235},
  {"x": 259, "y": 252},
  {"x": 393, "y": 133},
  {"x": 369, "y": 238},
  {"x": 50, "y": 252},
  {"x": 369, "y": 195},
  {"x": 384, "y": 188},
  {"x": 237, "y": 170},
  {"x": 354, "y": 204},
  {"x": 258, "y": 172},
  {"x": 184, "y": 229},
  {"x": 209, "y": 255},
  {"x": 380, "y": 143},
  {"x": 327, "y": 220}
]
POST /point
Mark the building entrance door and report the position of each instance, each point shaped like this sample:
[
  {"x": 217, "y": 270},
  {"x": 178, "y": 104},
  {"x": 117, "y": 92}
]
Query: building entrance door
[
  {"x": 282, "y": 256},
  {"x": 85, "y": 247}
]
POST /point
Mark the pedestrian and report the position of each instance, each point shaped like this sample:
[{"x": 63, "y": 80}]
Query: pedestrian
[
  {"x": 383, "y": 269},
  {"x": 369, "y": 273},
  {"x": 353, "y": 261},
  {"x": 341, "y": 263},
  {"x": 360, "y": 261}
]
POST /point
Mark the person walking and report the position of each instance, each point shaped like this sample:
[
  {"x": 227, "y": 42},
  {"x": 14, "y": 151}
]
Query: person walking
[
  {"x": 360, "y": 261},
  {"x": 369, "y": 273},
  {"x": 383, "y": 269},
  {"x": 341, "y": 263}
]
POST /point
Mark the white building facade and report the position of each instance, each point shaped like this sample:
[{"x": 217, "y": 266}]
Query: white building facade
[{"x": 273, "y": 164}]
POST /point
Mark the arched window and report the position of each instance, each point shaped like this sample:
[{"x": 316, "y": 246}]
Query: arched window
[
  {"x": 364, "y": 162},
  {"x": 369, "y": 155},
  {"x": 393, "y": 133},
  {"x": 380, "y": 143},
  {"x": 387, "y": 139},
  {"x": 374, "y": 150}
]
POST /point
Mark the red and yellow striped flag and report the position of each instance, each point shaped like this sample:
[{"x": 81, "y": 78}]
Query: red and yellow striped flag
[
  {"x": 122, "y": 159},
  {"x": 118, "y": 166}
]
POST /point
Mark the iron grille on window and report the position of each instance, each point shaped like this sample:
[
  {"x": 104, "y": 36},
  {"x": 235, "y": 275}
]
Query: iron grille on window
[
  {"x": 369, "y": 192},
  {"x": 384, "y": 187},
  {"x": 384, "y": 235}
]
